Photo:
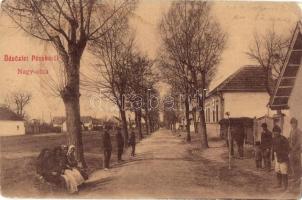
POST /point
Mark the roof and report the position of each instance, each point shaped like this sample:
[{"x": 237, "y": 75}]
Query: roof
[
  {"x": 58, "y": 120},
  {"x": 249, "y": 78},
  {"x": 7, "y": 114},
  {"x": 288, "y": 75},
  {"x": 84, "y": 119}
]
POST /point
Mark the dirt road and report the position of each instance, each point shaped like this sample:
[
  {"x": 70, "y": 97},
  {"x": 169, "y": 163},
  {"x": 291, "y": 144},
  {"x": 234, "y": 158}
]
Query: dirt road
[{"x": 167, "y": 167}]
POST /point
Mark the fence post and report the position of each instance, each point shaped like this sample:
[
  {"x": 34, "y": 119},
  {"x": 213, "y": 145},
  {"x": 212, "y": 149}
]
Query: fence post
[{"x": 255, "y": 130}]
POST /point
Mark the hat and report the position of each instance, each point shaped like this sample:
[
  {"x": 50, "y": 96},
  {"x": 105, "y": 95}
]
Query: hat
[
  {"x": 293, "y": 121},
  {"x": 277, "y": 129}
]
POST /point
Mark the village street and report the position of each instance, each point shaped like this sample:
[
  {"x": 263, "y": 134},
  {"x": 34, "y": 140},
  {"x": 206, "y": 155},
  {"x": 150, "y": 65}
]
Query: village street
[{"x": 167, "y": 167}]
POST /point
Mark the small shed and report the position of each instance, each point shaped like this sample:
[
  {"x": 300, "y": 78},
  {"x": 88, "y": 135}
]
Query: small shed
[{"x": 241, "y": 127}]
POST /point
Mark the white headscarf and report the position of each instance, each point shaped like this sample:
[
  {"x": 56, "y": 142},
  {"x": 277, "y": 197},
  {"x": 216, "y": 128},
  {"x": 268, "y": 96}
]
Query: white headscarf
[{"x": 70, "y": 149}]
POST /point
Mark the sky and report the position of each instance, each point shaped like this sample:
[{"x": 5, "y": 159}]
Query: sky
[{"x": 240, "y": 20}]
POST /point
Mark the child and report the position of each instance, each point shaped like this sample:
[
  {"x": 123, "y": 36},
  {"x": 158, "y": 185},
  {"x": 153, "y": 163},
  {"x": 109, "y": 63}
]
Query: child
[{"x": 258, "y": 155}]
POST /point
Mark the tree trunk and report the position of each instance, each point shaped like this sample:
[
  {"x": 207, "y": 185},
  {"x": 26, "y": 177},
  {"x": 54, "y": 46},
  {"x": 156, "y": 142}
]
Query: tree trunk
[
  {"x": 71, "y": 98},
  {"x": 124, "y": 124},
  {"x": 187, "y": 110},
  {"x": 195, "y": 121},
  {"x": 147, "y": 122},
  {"x": 202, "y": 123},
  {"x": 138, "y": 116},
  {"x": 73, "y": 124},
  {"x": 203, "y": 129}
]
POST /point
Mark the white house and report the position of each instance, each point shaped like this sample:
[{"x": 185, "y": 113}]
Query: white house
[
  {"x": 10, "y": 123},
  {"x": 59, "y": 122},
  {"x": 87, "y": 122},
  {"x": 287, "y": 94},
  {"x": 243, "y": 94}
]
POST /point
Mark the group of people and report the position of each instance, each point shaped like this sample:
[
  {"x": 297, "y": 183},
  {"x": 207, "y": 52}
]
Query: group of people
[
  {"x": 120, "y": 143},
  {"x": 285, "y": 152},
  {"x": 60, "y": 167}
]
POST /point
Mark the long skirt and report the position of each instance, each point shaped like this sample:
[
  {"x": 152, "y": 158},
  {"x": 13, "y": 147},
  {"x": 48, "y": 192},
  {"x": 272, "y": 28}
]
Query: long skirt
[{"x": 73, "y": 179}]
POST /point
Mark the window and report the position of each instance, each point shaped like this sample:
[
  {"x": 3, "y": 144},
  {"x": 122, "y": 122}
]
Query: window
[
  {"x": 206, "y": 114},
  {"x": 213, "y": 115}
]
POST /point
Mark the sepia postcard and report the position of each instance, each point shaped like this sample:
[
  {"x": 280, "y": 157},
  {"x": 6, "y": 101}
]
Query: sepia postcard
[{"x": 150, "y": 99}]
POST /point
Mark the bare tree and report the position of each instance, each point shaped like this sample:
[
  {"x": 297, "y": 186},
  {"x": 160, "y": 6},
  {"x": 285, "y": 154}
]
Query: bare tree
[
  {"x": 114, "y": 53},
  {"x": 193, "y": 39},
  {"x": 17, "y": 101},
  {"x": 177, "y": 75},
  {"x": 269, "y": 50},
  {"x": 141, "y": 77},
  {"x": 68, "y": 26}
]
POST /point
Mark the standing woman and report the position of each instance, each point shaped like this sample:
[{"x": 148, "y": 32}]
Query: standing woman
[
  {"x": 107, "y": 146},
  {"x": 132, "y": 142},
  {"x": 120, "y": 144}
]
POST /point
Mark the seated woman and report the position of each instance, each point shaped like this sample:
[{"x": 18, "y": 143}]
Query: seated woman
[
  {"x": 73, "y": 165},
  {"x": 47, "y": 169},
  {"x": 62, "y": 168}
]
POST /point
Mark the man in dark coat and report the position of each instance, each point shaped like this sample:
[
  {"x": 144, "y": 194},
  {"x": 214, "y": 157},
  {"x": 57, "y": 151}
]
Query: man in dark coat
[
  {"x": 120, "y": 144},
  {"x": 237, "y": 133},
  {"x": 281, "y": 152},
  {"x": 132, "y": 142},
  {"x": 266, "y": 146},
  {"x": 107, "y": 149}
]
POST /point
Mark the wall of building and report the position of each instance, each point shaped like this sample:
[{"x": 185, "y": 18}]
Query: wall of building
[
  {"x": 295, "y": 105},
  {"x": 246, "y": 104},
  {"x": 8, "y": 128}
]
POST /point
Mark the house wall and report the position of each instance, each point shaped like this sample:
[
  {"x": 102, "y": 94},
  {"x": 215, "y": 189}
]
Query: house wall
[
  {"x": 9, "y": 128},
  {"x": 246, "y": 104},
  {"x": 213, "y": 109},
  {"x": 295, "y": 105}
]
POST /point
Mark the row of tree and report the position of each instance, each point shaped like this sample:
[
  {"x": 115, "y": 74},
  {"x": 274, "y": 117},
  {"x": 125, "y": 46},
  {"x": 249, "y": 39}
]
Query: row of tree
[
  {"x": 71, "y": 26},
  {"x": 192, "y": 43}
]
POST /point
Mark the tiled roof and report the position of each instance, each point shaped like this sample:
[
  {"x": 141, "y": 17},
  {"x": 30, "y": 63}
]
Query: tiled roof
[
  {"x": 84, "y": 119},
  {"x": 249, "y": 78},
  {"x": 7, "y": 114}
]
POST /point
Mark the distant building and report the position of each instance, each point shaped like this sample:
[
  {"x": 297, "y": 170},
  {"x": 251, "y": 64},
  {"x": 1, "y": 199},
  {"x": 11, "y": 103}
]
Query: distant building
[
  {"x": 59, "y": 122},
  {"x": 87, "y": 123},
  {"x": 243, "y": 94},
  {"x": 10, "y": 123},
  {"x": 287, "y": 95}
]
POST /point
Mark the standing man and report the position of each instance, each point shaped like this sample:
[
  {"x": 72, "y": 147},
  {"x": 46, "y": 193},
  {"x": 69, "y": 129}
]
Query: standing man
[
  {"x": 107, "y": 149},
  {"x": 295, "y": 149},
  {"x": 132, "y": 142},
  {"x": 120, "y": 144},
  {"x": 281, "y": 151},
  {"x": 266, "y": 146}
]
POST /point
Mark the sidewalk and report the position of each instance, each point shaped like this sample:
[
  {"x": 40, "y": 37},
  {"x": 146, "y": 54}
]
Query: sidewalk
[{"x": 168, "y": 167}]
